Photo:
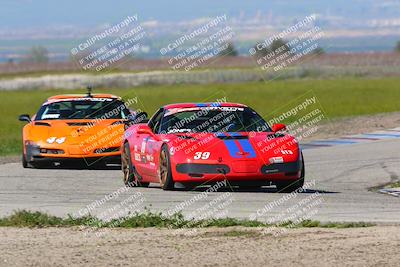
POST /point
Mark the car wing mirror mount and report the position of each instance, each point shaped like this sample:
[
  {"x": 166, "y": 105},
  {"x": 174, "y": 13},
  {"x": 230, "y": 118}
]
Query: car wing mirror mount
[
  {"x": 145, "y": 129},
  {"x": 24, "y": 117},
  {"x": 278, "y": 127}
]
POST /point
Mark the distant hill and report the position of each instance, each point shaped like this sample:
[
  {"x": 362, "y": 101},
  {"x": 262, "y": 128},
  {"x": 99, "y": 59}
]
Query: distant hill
[
  {"x": 38, "y": 13},
  {"x": 350, "y": 26}
]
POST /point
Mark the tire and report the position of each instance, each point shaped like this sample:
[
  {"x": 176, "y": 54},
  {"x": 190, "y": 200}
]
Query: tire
[
  {"x": 288, "y": 187},
  {"x": 35, "y": 164},
  {"x": 24, "y": 162},
  {"x": 166, "y": 180},
  {"x": 130, "y": 178}
]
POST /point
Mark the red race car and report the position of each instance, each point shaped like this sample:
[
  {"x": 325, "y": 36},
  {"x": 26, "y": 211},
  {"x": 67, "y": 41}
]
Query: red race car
[{"x": 197, "y": 144}]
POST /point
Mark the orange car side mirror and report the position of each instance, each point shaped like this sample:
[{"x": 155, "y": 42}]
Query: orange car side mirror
[{"x": 24, "y": 117}]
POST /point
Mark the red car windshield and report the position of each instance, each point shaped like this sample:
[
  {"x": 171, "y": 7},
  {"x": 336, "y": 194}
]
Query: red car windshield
[{"x": 212, "y": 119}]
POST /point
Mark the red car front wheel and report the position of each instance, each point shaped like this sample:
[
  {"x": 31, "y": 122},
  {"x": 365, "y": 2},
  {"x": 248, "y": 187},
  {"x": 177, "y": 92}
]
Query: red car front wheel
[
  {"x": 128, "y": 169},
  {"x": 166, "y": 180}
]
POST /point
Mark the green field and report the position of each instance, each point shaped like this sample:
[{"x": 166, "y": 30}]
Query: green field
[{"x": 338, "y": 98}]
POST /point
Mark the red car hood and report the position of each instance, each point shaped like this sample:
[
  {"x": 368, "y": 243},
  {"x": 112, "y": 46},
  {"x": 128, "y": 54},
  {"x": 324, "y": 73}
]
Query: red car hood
[{"x": 254, "y": 146}]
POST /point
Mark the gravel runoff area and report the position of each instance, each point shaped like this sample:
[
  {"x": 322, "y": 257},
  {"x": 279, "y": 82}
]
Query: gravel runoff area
[
  {"x": 356, "y": 125},
  {"x": 233, "y": 246}
]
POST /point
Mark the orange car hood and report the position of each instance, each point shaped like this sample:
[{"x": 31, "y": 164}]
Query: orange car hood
[{"x": 75, "y": 131}]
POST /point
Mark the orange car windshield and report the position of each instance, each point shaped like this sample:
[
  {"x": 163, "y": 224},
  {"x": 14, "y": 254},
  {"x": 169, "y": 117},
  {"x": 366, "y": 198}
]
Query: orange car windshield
[{"x": 83, "y": 109}]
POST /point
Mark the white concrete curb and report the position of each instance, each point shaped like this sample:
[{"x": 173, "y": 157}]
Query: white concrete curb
[{"x": 391, "y": 191}]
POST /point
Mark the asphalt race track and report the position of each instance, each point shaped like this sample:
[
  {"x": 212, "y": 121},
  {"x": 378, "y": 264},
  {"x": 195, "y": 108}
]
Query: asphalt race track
[{"x": 340, "y": 180}]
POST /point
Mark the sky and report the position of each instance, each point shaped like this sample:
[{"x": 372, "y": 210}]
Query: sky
[{"x": 41, "y": 13}]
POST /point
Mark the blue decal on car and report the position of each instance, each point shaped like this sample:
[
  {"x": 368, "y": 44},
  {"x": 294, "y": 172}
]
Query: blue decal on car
[
  {"x": 199, "y": 105},
  {"x": 234, "y": 150},
  {"x": 247, "y": 147}
]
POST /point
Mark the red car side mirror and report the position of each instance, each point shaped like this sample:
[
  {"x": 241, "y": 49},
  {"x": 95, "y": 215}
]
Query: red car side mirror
[
  {"x": 145, "y": 129},
  {"x": 277, "y": 127}
]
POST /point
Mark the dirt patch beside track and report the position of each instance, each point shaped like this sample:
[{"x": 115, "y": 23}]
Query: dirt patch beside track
[
  {"x": 9, "y": 159},
  {"x": 236, "y": 246},
  {"x": 356, "y": 125}
]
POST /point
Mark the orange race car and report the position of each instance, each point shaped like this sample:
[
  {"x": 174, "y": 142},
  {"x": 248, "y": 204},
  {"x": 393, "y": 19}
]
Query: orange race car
[{"x": 72, "y": 129}]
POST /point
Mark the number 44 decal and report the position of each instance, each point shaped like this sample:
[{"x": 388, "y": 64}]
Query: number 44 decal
[{"x": 201, "y": 155}]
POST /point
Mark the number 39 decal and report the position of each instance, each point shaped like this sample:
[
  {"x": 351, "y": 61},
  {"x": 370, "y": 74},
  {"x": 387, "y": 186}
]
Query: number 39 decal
[{"x": 201, "y": 155}]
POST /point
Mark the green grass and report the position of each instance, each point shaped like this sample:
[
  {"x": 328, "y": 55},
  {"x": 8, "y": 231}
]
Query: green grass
[
  {"x": 394, "y": 185},
  {"x": 338, "y": 98},
  {"x": 25, "y": 218}
]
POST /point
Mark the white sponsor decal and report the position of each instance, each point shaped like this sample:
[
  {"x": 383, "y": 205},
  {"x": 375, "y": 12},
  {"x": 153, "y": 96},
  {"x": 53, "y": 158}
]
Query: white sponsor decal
[
  {"x": 276, "y": 160},
  {"x": 50, "y": 116},
  {"x": 149, "y": 158},
  {"x": 137, "y": 156},
  {"x": 143, "y": 149}
]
